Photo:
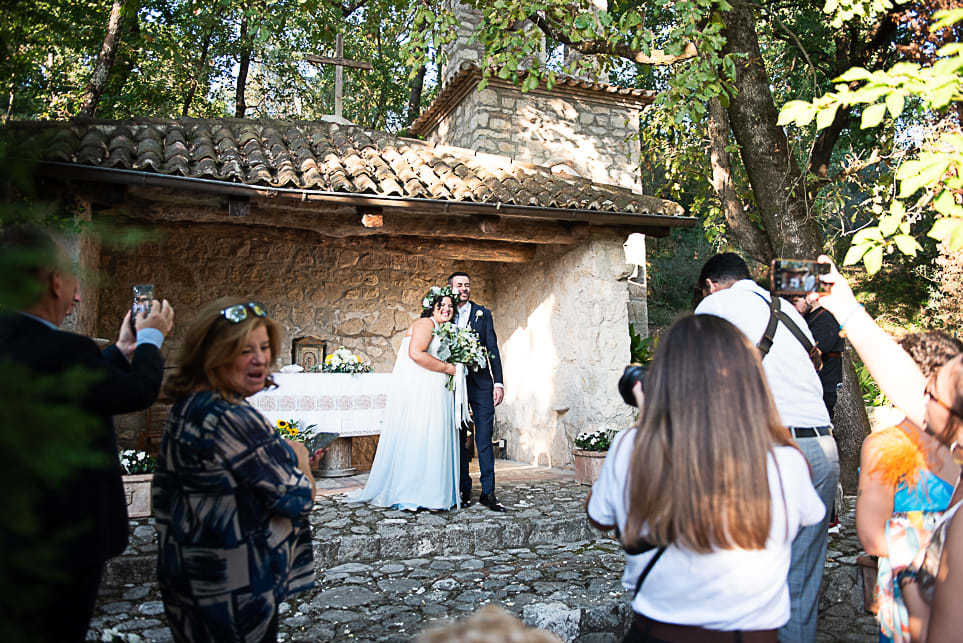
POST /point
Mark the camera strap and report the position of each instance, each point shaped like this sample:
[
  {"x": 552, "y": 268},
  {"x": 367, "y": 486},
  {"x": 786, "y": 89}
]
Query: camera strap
[{"x": 775, "y": 316}]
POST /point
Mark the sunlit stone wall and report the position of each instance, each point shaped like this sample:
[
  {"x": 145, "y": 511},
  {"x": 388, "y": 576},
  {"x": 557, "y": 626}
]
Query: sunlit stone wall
[
  {"x": 593, "y": 139},
  {"x": 564, "y": 341}
]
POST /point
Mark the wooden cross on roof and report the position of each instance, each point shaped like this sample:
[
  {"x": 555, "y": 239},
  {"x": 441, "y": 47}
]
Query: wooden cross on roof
[{"x": 339, "y": 63}]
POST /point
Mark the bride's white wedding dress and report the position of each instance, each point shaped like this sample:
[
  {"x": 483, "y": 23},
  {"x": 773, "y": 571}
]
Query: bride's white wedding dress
[{"x": 416, "y": 464}]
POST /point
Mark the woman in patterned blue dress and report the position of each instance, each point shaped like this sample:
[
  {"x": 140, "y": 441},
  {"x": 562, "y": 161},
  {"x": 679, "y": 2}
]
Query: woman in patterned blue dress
[{"x": 231, "y": 498}]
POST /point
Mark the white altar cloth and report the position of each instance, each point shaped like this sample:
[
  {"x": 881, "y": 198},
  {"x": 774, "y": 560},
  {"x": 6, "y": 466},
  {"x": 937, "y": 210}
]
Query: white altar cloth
[{"x": 339, "y": 403}]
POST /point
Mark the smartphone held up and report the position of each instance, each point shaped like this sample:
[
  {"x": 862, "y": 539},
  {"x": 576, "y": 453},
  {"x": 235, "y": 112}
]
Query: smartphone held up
[
  {"x": 797, "y": 277},
  {"x": 141, "y": 297}
]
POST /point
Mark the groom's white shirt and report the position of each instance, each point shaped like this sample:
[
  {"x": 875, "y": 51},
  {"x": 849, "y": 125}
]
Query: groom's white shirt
[{"x": 464, "y": 314}]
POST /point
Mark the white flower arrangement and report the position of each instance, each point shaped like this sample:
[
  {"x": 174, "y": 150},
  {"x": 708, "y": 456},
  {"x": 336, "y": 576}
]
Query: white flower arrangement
[
  {"x": 478, "y": 313},
  {"x": 136, "y": 462},
  {"x": 599, "y": 440},
  {"x": 460, "y": 346},
  {"x": 344, "y": 361}
]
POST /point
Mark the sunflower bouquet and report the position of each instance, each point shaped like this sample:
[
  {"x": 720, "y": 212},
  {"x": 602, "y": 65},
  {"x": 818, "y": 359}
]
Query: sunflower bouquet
[{"x": 291, "y": 430}]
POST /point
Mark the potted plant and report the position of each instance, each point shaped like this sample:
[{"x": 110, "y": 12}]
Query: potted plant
[
  {"x": 138, "y": 467},
  {"x": 590, "y": 451}
]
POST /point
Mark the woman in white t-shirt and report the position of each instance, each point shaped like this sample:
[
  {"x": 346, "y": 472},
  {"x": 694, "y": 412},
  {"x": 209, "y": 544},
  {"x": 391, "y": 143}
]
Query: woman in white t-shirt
[{"x": 706, "y": 492}]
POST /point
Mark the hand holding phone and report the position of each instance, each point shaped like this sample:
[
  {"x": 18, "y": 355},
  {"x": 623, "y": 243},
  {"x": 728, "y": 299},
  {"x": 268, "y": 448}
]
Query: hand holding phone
[
  {"x": 141, "y": 297},
  {"x": 797, "y": 277}
]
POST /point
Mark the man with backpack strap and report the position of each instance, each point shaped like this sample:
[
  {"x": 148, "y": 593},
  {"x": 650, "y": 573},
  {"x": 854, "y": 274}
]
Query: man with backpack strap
[{"x": 730, "y": 293}]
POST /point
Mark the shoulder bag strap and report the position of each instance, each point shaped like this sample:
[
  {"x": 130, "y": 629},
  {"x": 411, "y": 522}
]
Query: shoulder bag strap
[
  {"x": 766, "y": 342},
  {"x": 648, "y": 568},
  {"x": 776, "y": 316}
]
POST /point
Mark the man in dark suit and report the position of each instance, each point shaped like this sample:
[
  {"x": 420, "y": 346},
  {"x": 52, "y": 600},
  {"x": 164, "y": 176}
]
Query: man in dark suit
[
  {"x": 485, "y": 392},
  {"x": 84, "y": 519}
]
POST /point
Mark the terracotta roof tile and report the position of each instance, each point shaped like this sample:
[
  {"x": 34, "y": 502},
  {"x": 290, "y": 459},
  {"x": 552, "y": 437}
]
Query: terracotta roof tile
[{"x": 325, "y": 157}]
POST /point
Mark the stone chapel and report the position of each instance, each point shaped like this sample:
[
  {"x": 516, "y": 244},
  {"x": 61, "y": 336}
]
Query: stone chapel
[{"x": 340, "y": 230}]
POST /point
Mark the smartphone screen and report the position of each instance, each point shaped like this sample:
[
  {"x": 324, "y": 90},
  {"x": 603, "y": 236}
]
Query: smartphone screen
[
  {"x": 141, "y": 297},
  {"x": 797, "y": 276}
]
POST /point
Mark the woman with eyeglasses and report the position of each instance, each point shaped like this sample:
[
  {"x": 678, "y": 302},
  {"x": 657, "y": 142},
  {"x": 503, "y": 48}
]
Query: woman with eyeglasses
[
  {"x": 231, "y": 498},
  {"x": 933, "y": 584}
]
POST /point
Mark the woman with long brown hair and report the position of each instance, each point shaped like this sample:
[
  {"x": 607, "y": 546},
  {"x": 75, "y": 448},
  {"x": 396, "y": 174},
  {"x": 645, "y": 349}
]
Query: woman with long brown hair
[{"x": 707, "y": 492}]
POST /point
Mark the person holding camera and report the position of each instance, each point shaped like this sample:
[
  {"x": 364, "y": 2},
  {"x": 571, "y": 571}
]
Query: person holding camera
[
  {"x": 730, "y": 293},
  {"x": 83, "y": 521},
  {"x": 706, "y": 493}
]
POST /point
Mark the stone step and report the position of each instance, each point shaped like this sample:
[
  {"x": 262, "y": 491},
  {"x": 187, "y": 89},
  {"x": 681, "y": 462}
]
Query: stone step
[
  {"x": 385, "y": 575},
  {"x": 541, "y": 513},
  {"x": 571, "y": 589}
]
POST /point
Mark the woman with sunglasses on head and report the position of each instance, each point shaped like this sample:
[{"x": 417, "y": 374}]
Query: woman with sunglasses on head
[
  {"x": 231, "y": 498},
  {"x": 932, "y": 586},
  {"x": 707, "y": 492}
]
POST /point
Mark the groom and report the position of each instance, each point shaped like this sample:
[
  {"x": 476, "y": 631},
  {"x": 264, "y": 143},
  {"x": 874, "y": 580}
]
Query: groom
[{"x": 485, "y": 392}]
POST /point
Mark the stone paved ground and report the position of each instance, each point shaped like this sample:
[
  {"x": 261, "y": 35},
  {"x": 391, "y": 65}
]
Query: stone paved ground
[{"x": 385, "y": 575}]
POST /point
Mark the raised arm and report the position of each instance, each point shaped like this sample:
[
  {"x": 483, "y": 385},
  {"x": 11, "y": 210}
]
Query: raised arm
[
  {"x": 898, "y": 376},
  {"x": 418, "y": 348}
]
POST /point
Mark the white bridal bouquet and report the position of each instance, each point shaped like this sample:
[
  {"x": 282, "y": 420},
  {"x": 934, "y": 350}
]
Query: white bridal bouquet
[
  {"x": 344, "y": 361},
  {"x": 460, "y": 346}
]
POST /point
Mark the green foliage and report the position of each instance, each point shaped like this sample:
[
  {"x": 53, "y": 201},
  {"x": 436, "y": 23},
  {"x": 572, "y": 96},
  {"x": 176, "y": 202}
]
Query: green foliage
[
  {"x": 868, "y": 388},
  {"x": 641, "y": 349},
  {"x": 929, "y": 182},
  {"x": 49, "y": 50},
  {"x": 672, "y": 271}
]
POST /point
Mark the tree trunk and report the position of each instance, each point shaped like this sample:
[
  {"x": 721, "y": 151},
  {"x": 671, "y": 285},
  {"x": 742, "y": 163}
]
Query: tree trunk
[
  {"x": 852, "y": 425},
  {"x": 414, "y": 98},
  {"x": 201, "y": 62},
  {"x": 777, "y": 183},
  {"x": 780, "y": 194},
  {"x": 744, "y": 232},
  {"x": 105, "y": 60},
  {"x": 243, "y": 66}
]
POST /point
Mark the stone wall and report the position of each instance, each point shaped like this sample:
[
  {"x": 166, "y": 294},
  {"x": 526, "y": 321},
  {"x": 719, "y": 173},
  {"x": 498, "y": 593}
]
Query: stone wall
[
  {"x": 593, "y": 139},
  {"x": 564, "y": 342},
  {"x": 363, "y": 301}
]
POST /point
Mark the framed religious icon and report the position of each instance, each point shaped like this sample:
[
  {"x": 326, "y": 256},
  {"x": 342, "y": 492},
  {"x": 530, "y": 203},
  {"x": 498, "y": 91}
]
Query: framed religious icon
[{"x": 309, "y": 353}]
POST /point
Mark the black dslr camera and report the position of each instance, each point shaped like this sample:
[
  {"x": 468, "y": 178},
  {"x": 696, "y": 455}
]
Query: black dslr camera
[{"x": 633, "y": 373}]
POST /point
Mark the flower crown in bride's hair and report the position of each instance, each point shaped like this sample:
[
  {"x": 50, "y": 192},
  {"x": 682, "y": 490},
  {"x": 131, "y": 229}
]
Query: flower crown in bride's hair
[{"x": 434, "y": 294}]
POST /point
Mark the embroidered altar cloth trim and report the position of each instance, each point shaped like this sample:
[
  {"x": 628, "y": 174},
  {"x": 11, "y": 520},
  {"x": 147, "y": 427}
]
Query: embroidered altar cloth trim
[{"x": 339, "y": 403}]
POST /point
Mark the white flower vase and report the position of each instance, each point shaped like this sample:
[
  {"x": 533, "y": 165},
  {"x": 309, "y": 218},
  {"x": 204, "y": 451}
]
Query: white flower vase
[
  {"x": 137, "y": 492},
  {"x": 588, "y": 465}
]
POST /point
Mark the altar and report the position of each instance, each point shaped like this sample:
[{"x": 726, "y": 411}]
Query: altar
[{"x": 347, "y": 404}]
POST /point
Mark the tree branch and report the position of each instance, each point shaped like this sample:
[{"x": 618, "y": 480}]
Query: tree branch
[{"x": 590, "y": 47}]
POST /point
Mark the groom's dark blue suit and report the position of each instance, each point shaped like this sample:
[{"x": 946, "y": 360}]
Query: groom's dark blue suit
[{"x": 480, "y": 386}]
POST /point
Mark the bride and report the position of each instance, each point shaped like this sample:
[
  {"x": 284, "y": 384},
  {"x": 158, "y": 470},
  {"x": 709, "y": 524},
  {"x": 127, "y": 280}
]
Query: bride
[{"x": 416, "y": 464}]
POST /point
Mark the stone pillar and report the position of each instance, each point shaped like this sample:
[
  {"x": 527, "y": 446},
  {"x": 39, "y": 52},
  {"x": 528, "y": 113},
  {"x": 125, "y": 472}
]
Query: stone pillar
[
  {"x": 454, "y": 54},
  {"x": 638, "y": 307}
]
